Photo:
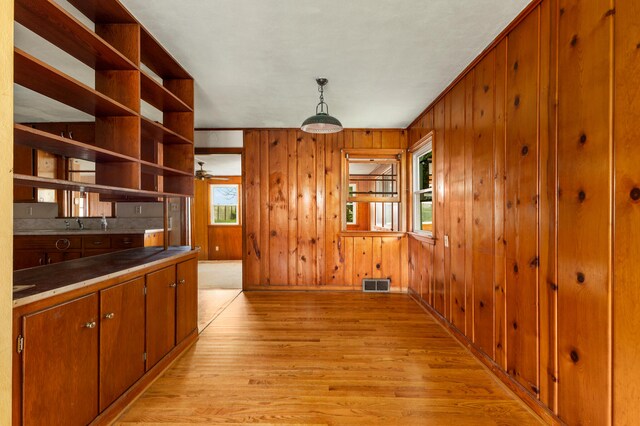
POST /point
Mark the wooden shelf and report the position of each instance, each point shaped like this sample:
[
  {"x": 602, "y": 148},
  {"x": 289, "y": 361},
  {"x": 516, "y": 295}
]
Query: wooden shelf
[
  {"x": 56, "y": 25},
  {"x": 40, "y": 77},
  {"x": 153, "y": 55},
  {"x": 156, "y": 169},
  {"x": 157, "y": 132},
  {"x": 40, "y": 182},
  {"x": 104, "y": 11},
  {"x": 37, "y": 139},
  {"x": 159, "y": 96}
]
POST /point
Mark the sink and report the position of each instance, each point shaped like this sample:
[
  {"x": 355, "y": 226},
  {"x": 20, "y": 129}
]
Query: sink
[{"x": 17, "y": 288}]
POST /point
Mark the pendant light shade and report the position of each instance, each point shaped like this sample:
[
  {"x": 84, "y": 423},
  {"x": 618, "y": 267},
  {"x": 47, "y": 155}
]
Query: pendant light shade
[{"x": 321, "y": 122}]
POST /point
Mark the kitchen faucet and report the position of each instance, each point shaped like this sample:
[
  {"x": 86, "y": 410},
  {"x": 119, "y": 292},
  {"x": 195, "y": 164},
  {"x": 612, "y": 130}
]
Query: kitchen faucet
[{"x": 80, "y": 224}]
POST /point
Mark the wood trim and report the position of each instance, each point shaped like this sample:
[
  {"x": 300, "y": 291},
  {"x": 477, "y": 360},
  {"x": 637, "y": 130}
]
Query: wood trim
[
  {"x": 205, "y": 151},
  {"x": 372, "y": 234},
  {"x": 138, "y": 388},
  {"x": 535, "y": 405},
  {"x": 422, "y": 142},
  {"x": 429, "y": 239},
  {"x": 530, "y": 8}
]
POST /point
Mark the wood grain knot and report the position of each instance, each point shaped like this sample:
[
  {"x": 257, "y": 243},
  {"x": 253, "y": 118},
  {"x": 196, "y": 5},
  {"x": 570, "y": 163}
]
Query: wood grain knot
[
  {"x": 525, "y": 150},
  {"x": 499, "y": 346},
  {"x": 574, "y": 356},
  {"x": 535, "y": 389},
  {"x": 275, "y": 143},
  {"x": 303, "y": 258},
  {"x": 574, "y": 40},
  {"x": 638, "y": 46},
  {"x": 515, "y": 325},
  {"x": 485, "y": 88},
  {"x": 377, "y": 266},
  {"x": 535, "y": 262},
  {"x": 580, "y": 277},
  {"x": 582, "y": 196},
  {"x": 516, "y": 101},
  {"x": 515, "y": 66},
  {"x": 610, "y": 12},
  {"x": 299, "y": 139},
  {"x": 481, "y": 304},
  {"x": 561, "y": 11},
  {"x": 274, "y": 233},
  {"x": 515, "y": 268},
  {"x": 553, "y": 286},
  {"x": 583, "y": 138},
  {"x": 635, "y": 194}
]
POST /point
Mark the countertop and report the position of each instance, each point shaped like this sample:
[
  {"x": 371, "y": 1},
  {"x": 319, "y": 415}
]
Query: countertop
[
  {"x": 46, "y": 281},
  {"x": 85, "y": 231}
]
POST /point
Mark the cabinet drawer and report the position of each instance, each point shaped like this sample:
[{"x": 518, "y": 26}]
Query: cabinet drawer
[
  {"x": 96, "y": 241},
  {"x": 126, "y": 241},
  {"x": 47, "y": 242}
]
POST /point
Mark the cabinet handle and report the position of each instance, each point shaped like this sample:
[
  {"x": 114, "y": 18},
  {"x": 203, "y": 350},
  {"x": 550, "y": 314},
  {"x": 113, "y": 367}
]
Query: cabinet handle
[
  {"x": 127, "y": 242},
  {"x": 181, "y": 281},
  {"x": 97, "y": 243},
  {"x": 172, "y": 285},
  {"x": 110, "y": 315},
  {"x": 40, "y": 261},
  {"x": 48, "y": 261},
  {"x": 70, "y": 134},
  {"x": 91, "y": 324},
  {"x": 63, "y": 244}
]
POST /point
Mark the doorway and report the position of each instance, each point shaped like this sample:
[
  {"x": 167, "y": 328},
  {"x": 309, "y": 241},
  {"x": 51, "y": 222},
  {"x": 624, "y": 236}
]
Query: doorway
[{"x": 217, "y": 232}]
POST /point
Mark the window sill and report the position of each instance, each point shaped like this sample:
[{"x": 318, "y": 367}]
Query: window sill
[
  {"x": 426, "y": 237},
  {"x": 372, "y": 234}
]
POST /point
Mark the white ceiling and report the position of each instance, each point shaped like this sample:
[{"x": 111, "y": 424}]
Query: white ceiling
[
  {"x": 254, "y": 61},
  {"x": 220, "y": 164}
]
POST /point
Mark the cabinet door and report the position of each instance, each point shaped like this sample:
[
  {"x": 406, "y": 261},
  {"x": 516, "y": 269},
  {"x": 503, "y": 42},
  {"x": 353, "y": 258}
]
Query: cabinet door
[
  {"x": 28, "y": 258},
  {"x": 187, "y": 299},
  {"x": 161, "y": 314},
  {"x": 60, "y": 364},
  {"x": 121, "y": 339}
]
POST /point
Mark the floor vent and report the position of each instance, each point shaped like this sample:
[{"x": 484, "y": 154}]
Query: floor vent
[{"x": 377, "y": 285}]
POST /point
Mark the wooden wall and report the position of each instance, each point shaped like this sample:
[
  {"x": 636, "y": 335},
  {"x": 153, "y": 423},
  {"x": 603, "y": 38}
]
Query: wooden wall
[
  {"x": 292, "y": 214},
  {"x": 537, "y": 186}
]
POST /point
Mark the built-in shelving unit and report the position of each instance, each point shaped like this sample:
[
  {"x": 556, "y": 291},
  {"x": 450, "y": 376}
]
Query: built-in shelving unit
[{"x": 135, "y": 156}]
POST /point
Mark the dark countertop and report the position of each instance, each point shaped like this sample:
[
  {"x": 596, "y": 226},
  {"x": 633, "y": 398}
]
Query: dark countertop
[{"x": 48, "y": 280}]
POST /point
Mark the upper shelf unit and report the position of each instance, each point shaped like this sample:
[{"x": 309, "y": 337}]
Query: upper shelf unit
[
  {"x": 132, "y": 153},
  {"x": 53, "y": 23}
]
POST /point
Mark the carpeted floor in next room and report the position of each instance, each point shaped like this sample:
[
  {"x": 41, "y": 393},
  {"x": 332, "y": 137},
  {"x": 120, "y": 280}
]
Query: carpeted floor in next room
[{"x": 219, "y": 282}]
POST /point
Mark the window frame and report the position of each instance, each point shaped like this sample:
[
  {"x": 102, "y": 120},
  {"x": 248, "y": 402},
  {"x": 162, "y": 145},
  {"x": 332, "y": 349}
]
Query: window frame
[
  {"x": 354, "y": 206},
  {"x": 383, "y": 156},
  {"x": 422, "y": 147},
  {"x": 211, "y": 220}
]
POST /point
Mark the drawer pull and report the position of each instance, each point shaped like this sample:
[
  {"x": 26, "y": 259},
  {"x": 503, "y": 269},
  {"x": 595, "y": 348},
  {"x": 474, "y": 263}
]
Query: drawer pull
[
  {"x": 63, "y": 244},
  {"x": 97, "y": 243},
  {"x": 91, "y": 324},
  {"x": 48, "y": 261},
  {"x": 172, "y": 285},
  {"x": 181, "y": 281},
  {"x": 110, "y": 315},
  {"x": 127, "y": 242}
]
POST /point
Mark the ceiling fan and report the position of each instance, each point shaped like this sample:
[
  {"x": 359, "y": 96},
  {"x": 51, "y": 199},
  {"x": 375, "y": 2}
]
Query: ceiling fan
[{"x": 203, "y": 174}]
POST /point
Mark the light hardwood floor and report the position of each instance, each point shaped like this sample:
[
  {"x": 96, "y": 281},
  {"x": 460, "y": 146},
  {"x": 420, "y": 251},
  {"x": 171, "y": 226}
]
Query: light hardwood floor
[{"x": 327, "y": 358}]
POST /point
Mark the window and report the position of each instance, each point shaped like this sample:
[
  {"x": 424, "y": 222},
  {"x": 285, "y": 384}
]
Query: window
[
  {"x": 224, "y": 205},
  {"x": 352, "y": 213},
  {"x": 372, "y": 188},
  {"x": 423, "y": 187}
]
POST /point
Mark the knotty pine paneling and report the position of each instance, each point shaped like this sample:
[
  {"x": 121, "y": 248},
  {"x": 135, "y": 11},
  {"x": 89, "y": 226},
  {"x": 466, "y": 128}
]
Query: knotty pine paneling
[
  {"x": 521, "y": 194},
  {"x": 542, "y": 172},
  {"x": 481, "y": 275},
  {"x": 292, "y": 221},
  {"x": 626, "y": 291},
  {"x": 584, "y": 208}
]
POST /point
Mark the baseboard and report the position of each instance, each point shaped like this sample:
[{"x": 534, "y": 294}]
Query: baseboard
[
  {"x": 533, "y": 403},
  {"x": 111, "y": 413}
]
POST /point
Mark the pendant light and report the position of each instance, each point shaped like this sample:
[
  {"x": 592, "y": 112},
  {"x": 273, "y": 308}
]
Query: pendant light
[{"x": 321, "y": 122}]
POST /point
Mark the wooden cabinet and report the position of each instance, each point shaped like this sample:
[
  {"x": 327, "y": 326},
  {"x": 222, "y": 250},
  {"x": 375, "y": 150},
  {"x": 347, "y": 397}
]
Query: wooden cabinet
[
  {"x": 60, "y": 363},
  {"x": 83, "y": 356},
  {"x": 154, "y": 239},
  {"x": 38, "y": 250},
  {"x": 161, "y": 314},
  {"x": 122, "y": 331},
  {"x": 186, "y": 299}
]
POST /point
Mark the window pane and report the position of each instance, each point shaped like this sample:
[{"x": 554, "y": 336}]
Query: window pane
[
  {"x": 425, "y": 170},
  {"x": 388, "y": 215},
  {"x": 374, "y": 179},
  {"x": 426, "y": 212},
  {"x": 224, "y": 204}
]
